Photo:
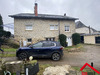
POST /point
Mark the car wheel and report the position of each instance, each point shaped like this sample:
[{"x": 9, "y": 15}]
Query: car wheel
[
  {"x": 22, "y": 56},
  {"x": 56, "y": 56}
]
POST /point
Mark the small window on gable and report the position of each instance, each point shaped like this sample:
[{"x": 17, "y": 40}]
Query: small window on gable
[
  {"x": 28, "y": 27},
  {"x": 67, "y": 28},
  {"x": 29, "y": 40}
]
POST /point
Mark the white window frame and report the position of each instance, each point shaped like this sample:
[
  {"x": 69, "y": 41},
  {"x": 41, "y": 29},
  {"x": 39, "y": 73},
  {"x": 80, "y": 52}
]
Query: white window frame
[
  {"x": 54, "y": 27},
  {"x": 65, "y": 28},
  {"x": 28, "y": 25}
]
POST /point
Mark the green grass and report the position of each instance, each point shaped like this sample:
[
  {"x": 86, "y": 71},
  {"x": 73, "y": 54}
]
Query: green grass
[
  {"x": 84, "y": 70},
  {"x": 78, "y": 46},
  {"x": 7, "y": 55},
  {"x": 42, "y": 68},
  {"x": 9, "y": 50}
]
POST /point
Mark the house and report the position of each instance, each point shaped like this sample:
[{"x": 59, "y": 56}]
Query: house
[
  {"x": 83, "y": 29},
  {"x": 88, "y": 34},
  {"x": 31, "y": 28},
  {"x": 85, "y": 73}
]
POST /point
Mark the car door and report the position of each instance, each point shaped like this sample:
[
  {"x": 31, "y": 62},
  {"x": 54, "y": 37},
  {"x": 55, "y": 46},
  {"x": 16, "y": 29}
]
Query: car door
[
  {"x": 47, "y": 49},
  {"x": 36, "y": 48}
]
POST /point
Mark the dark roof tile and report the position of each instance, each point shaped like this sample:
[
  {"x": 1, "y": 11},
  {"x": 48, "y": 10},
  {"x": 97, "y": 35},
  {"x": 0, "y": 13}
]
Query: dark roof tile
[{"x": 42, "y": 16}]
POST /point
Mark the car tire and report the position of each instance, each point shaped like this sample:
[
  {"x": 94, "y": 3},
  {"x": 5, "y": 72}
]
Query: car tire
[
  {"x": 22, "y": 56},
  {"x": 56, "y": 56}
]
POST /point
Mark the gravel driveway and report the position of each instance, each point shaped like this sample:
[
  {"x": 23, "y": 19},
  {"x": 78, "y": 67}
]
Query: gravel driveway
[{"x": 91, "y": 54}]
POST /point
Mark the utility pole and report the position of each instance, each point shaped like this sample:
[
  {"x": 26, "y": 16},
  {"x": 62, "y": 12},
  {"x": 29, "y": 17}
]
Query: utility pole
[{"x": 89, "y": 30}]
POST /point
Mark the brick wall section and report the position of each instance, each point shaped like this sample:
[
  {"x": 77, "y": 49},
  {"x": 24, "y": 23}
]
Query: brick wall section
[{"x": 41, "y": 29}]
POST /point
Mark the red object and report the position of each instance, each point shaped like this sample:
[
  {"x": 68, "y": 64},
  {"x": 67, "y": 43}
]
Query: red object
[
  {"x": 84, "y": 73},
  {"x": 61, "y": 48},
  {"x": 86, "y": 64}
]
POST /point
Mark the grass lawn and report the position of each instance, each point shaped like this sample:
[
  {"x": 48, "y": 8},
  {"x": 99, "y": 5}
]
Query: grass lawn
[
  {"x": 7, "y": 55},
  {"x": 84, "y": 70},
  {"x": 10, "y": 50},
  {"x": 78, "y": 46},
  {"x": 42, "y": 68}
]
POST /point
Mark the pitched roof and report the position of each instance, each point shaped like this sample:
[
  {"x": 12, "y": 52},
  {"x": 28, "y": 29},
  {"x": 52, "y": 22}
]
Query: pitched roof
[
  {"x": 79, "y": 24},
  {"x": 42, "y": 16}
]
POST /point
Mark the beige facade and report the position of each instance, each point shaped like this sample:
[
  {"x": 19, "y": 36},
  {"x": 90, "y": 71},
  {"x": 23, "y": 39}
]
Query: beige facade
[
  {"x": 41, "y": 29},
  {"x": 91, "y": 39},
  {"x": 83, "y": 30}
]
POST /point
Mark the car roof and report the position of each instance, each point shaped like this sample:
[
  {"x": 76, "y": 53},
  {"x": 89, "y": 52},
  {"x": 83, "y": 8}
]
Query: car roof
[{"x": 44, "y": 41}]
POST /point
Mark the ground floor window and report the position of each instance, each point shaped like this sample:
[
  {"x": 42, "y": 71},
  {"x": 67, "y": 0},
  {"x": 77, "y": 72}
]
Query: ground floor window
[
  {"x": 29, "y": 40},
  {"x": 50, "y": 39}
]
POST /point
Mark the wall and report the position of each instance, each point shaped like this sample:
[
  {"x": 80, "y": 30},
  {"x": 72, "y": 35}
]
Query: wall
[
  {"x": 83, "y": 30},
  {"x": 41, "y": 29},
  {"x": 89, "y": 39}
]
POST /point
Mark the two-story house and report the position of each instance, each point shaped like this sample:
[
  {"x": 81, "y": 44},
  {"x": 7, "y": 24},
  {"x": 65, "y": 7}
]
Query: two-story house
[{"x": 35, "y": 27}]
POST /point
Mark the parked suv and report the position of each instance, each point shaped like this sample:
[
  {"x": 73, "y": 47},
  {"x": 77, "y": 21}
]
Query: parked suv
[{"x": 42, "y": 49}]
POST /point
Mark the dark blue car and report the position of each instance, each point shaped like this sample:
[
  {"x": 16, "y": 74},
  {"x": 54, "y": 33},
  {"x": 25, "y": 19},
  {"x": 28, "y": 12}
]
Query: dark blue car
[{"x": 42, "y": 49}]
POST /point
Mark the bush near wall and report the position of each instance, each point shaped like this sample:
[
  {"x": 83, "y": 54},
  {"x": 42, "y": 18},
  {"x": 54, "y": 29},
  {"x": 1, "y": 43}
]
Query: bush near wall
[
  {"x": 62, "y": 39},
  {"x": 76, "y": 38}
]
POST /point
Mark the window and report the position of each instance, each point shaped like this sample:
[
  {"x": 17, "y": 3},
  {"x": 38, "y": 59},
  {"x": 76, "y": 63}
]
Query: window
[
  {"x": 67, "y": 28},
  {"x": 28, "y": 27},
  {"x": 29, "y": 40},
  {"x": 56, "y": 27},
  {"x": 53, "y": 27},
  {"x": 50, "y": 39},
  {"x": 38, "y": 44},
  {"x": 48, "y": 44}
]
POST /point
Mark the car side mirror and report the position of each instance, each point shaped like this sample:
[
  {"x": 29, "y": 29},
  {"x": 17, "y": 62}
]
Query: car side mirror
[{"x": 31, "y": 46}]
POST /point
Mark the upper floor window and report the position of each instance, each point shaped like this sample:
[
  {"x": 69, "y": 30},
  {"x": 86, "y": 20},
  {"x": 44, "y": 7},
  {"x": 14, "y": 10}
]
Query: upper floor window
[
  {"x": 28, "y": 27},
  {"x": 53, "y": 27},
  {"x": 67, "y": 28}
]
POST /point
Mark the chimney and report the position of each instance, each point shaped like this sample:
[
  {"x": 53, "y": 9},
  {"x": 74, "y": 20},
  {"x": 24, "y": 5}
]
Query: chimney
[
  {"x": 64, "y": 14},
  {"x": 35, "y": 10}
]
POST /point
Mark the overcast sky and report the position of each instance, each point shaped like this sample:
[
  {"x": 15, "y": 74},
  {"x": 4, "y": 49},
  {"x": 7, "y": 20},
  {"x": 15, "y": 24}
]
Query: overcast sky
[{"x": 88, "y": 11}]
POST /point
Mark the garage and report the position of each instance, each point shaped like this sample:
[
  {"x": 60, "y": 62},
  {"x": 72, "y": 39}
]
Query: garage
[
  {"x": 97, "y": 40},
  {"x": 92, "y": 38}
]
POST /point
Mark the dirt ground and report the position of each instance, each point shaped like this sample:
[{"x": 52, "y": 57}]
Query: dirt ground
[{"x": 90, "y": 53}]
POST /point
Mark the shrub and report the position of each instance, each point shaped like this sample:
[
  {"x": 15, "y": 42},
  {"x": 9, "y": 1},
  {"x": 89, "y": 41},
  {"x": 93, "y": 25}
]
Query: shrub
[
  {"x": 76, "y": 38},
  {"x": 62, "y": 39}
]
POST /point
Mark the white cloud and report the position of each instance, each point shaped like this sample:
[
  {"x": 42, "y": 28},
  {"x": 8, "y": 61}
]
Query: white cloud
[{"x": 86, "y": 10}]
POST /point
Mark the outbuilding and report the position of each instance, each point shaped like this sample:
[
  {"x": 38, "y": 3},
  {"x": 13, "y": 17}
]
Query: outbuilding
[{"x": 93, "y": 38}]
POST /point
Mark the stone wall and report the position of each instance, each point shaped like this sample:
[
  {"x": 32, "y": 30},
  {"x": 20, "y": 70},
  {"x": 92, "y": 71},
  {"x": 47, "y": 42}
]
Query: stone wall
[{"x": 41, "y": 29}]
